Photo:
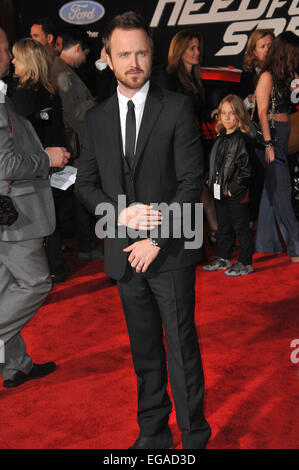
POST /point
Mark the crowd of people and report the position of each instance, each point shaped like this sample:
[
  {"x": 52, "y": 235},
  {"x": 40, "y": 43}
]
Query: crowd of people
[
  {"x": 140, "y": 136},
  {"x": 46, "y": 75}
]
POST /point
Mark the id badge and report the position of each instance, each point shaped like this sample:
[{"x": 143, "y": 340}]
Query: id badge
[{"x": 217, "y": 191}]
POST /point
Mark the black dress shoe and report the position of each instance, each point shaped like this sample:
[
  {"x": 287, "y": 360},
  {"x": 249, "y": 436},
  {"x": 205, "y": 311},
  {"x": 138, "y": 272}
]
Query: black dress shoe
[
  {"x": 37, "y": 372},
  {"x": 160, "y": 441}
]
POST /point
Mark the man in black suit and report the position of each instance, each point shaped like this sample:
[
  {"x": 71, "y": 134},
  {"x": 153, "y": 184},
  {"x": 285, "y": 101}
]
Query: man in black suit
[{"x": 142, "y": 143}]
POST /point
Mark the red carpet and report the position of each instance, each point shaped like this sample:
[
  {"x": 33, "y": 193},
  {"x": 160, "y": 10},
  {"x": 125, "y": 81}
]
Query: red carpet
[{"x": 245, "y": 328}]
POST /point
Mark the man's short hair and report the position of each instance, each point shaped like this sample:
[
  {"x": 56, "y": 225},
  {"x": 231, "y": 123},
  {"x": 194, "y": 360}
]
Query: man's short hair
[
  {"x": 47, "y": 25},
  {"x": 128, "y": 20},
  {"x": 73, "y": 36}
]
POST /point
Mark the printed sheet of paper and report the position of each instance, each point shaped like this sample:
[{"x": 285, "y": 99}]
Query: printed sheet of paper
[{"x": 64, "y": 179}]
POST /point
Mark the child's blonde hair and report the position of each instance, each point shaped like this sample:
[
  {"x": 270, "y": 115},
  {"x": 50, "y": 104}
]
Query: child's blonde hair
[{"x": 239, "y": 109}]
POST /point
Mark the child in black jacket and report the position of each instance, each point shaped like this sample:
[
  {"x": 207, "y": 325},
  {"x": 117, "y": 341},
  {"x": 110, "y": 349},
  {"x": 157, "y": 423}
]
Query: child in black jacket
[{"x": 229, "y": 179}]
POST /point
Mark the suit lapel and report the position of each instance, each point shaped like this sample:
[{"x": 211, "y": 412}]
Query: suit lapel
[
  {"x": 114, "y": 140},
  {"x": 14, "y": 116},
  {"x": 152, "y": 109}
]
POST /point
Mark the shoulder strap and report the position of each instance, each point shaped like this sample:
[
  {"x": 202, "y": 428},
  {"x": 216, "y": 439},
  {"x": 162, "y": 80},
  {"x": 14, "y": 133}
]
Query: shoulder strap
[
  {"x": 12, "y": 133},
  {"x": 11, "y": 124}
]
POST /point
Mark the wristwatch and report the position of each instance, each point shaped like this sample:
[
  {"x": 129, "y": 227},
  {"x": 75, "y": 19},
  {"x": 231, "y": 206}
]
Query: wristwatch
[{"x": 153, "y": 242}]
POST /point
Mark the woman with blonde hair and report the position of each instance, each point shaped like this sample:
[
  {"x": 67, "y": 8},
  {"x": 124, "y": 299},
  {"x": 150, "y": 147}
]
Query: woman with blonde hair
[
  {"x": 36, "y": 99},
  {"x": 257, "y": 49},
  {"x": 184, "y": 59}
]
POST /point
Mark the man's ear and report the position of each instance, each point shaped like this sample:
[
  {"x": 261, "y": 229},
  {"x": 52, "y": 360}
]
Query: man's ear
[
  {"x": 50, "y": 39},
  {"x": 77, "y": 48}
]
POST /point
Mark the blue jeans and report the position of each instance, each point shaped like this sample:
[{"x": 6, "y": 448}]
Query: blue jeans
[{"x": 276, "y": 202}]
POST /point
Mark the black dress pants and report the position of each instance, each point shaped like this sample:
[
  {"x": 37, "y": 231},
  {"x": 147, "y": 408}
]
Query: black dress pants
[
  {"x": 85, "y": 228},
  {"x": 54, "y": 243},
  {"x": 233, "y": 221},
  {"x": 151, "y": 302}
]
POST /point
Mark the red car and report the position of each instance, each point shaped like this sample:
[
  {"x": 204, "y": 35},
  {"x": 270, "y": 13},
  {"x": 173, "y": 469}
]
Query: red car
[{"x": 218, "y": 82}]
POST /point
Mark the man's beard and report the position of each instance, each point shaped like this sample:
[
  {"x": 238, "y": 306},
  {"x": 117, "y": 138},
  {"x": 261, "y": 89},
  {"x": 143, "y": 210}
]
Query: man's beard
[{"x": 133, "y": 83}]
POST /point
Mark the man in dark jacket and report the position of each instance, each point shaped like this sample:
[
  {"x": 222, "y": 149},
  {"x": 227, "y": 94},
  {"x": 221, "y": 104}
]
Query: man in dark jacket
[
  {"x": 142, "y": 144},
  {"x": 76, "y": 101}
]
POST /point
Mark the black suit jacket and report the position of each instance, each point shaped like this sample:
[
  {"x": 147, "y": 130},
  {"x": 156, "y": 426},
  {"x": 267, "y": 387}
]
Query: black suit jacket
[
  {"x": 30, "y": 101},
  {"x": 168, "y": 168}
]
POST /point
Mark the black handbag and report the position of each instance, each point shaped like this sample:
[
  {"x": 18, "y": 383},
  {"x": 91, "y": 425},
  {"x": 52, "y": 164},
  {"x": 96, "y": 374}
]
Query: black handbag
[
  {"x": 256, "y": 134},
  {"x": 72, "y": 143},
  {"x": 8, "y": 213}
]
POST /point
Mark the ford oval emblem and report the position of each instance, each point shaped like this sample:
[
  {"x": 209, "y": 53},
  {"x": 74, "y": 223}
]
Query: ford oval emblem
[{"x": 82, "y": 12}]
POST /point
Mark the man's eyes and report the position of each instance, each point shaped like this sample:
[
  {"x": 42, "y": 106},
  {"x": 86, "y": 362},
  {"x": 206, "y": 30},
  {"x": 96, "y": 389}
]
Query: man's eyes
[{"x": 126, "y": 54}]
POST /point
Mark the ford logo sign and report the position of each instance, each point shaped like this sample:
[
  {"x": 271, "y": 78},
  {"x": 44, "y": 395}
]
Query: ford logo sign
[{"x": 82, "y": 12}]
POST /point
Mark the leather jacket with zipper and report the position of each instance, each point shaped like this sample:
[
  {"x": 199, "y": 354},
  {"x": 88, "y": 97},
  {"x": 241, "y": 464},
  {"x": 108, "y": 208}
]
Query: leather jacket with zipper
[{"x": 230, "y": 164}]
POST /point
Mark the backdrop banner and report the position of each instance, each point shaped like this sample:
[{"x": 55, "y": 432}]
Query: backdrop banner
[{"x": 224, "y": 24}]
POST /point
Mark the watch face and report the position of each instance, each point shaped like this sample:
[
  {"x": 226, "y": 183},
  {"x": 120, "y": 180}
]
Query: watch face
[{"x": 154, "y": 242}]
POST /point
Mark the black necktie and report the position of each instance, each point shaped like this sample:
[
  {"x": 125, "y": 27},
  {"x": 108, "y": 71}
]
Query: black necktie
[{"x": 130, "y": 133}]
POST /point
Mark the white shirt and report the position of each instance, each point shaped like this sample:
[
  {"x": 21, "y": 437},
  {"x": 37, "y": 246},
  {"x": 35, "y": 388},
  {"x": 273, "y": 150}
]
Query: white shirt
[
  {"x": 3, "y": 91},
  {"x": 247, "y": 103},
  {"x": 100, "y": 65},
  {"x": 139, "y": 100}
]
